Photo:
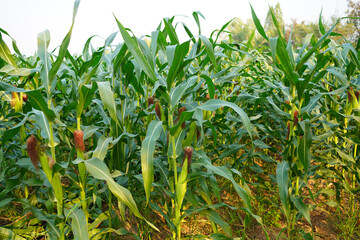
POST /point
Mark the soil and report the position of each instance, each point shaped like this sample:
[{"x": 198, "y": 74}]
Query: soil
[{"x": 322, "y": 218}]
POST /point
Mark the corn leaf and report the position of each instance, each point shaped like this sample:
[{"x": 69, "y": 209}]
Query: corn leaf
[{"x": 147, "y": 154}]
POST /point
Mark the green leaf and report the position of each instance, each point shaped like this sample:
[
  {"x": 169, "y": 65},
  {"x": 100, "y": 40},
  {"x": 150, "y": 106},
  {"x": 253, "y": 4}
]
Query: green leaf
[
  {"x": 189, "y": 33},
  {"x": 171, "y": 31},
  {"x": 210, "y": 51},
  {"x": 99, "y": 170},
  {"x": 304, "y": 146},
  {"x": 79, "y": 225},
  {"x": 210, "y": 84},
  {"x": 312, "y": 104},
  {"x": 214, "y": 217},
  {"x": 282, "y": 179},
  {"x": 225, "y": 172},
  {"x": 37, "y": 101},
  {"x": 214, "y": 104},
  {"x": 63, "y": 47},
  {"x": 43, "y": 216},
  {"x": 222, "y": 29},
  {"x": 147, "y": 154},
  {"x": 258, "y": 24},
  {"x": 197, "y": 20},
  {"x": 260, "y": 144},
  {"x": 229, "y": 150},
  {"x": 177, "y": 93},
  {"x": 273, "y": 46},
  {"x": 102, "y": 217},
  {"x": 10, "y": 133},
  {"x": 89, "y": 68},
  {"x": 276, "y": 24},
  {"x": 21, "y": 72},
  {"x": 43, "y": 124},
  {"x": 181, "y": 184},
  {"x": 6, "y": 54},
  {"x": 135, "y": 51},
  {"x": 303, "y": 209},
  {"x": 340, "y": 76},
  {"x": 219, "y": 236},
  {"x": 153, "y": 44},
  {"x": 5, "y": 202},
  {"x": 107, "y": 98},
  {"x": 17, "y": 51},
  {"x": 86, "y": 96},
  {"x": 308, "y": 54},
  {"x": 146, "y": 51},
  {"x": 9, "y": 235},
  {"x": 102, "y": 148},
  {"x": 43, "y": 41},
  {"x": 286, "y": 62},
  {"x": 177, "y": 58},
  {"x": 345, "y": 156},
  {"x": 321, "y": 25},
  {"x": 56, "y": 184}
]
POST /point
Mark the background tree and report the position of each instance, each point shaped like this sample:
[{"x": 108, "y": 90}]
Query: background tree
[
  {"x": 241, "y": 30},
  {"x": 347, "y": 29},
  {"x": 269, "y": 26},
  {"x": 299, "y": 30},
  {"x": 354, "y": 11}
]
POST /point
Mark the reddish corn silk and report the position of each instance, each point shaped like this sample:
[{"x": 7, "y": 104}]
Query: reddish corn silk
[
  {"x": 157, "y": 110},
  {"x": 350, "y": 98},
  {"x": 296, "y": 119},
  {"x": 198, "y": 133},
  {"x": 188, "y": 154},
  {"x": 150, "y": 100},
  {"x": 181, "y": 110},
  {"x": 288, "y": 131},
  {"x": 15, "y": 99},
  {"x": 79, "y": 140},
  {"x": 25, "y": 97},
  {"x": 51, "y": 162},
  {"x": 357, "y": 95},
  {"x": 33, "y": 151},
  {"x": 207, "y": 96}
]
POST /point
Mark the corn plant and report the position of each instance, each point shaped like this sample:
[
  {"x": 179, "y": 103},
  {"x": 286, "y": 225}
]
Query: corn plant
[{"x": 153, "y": 126}]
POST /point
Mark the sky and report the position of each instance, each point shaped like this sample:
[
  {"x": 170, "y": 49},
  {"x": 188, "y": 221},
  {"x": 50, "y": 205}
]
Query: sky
[{"x": 24, "y": 19}]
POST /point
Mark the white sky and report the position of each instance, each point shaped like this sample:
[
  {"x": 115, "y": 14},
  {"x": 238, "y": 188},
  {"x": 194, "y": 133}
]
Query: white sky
[{"x": 24, "y": 19}]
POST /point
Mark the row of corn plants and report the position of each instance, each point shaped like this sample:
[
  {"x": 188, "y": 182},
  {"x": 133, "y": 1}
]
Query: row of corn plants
[{"x": 154, "y": 128}]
